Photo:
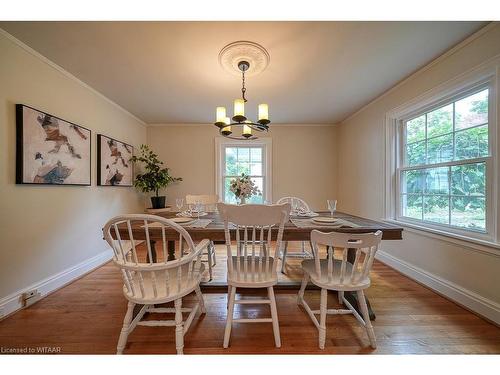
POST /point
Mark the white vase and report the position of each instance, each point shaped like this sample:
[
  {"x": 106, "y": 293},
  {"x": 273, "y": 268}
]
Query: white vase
[{"x": 242, "y": 200}]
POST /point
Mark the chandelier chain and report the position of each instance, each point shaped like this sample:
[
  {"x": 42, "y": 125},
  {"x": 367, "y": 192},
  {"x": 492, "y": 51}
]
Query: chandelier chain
[{"x": 243, "y": 88}]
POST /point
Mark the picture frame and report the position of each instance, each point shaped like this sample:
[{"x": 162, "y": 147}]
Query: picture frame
[
  {"x": 51, "y": 150},
  {"x": 114, "y": 167}
]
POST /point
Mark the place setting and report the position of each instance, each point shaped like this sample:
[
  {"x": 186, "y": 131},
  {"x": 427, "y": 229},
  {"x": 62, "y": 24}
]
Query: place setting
[
  {"x": 191, "y": 217},
  {"x": 300, "y": 209},
  {"x": 309, "y": 219},
  {"x": 301, "y": 213}
]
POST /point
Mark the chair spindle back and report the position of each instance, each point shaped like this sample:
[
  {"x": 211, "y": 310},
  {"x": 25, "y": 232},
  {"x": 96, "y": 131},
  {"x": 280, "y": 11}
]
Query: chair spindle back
[
  {"x": 365, "y": 246},
  {"x": 142, "y": 272},
  {"x": 253, "y": 225}
]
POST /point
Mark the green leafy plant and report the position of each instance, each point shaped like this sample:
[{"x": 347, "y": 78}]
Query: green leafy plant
[{"x": 155, "y": 176}]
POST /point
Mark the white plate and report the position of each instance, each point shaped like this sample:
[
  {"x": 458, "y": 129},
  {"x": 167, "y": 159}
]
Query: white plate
[
  {"x": 192, "y": 214},
  {"x": 325, "y": 220},
  {"x": 182, "y": 220},
  {"x": 306, "y": 214}
]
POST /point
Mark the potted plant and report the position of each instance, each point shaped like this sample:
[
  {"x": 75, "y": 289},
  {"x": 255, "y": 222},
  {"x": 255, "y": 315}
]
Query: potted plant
[{"x": 154, "y": 178}]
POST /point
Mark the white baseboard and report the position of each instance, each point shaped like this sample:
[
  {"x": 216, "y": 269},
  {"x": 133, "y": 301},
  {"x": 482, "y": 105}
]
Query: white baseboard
[
  {"x": 467, "y": 298},
  {"x": 14, "y": 302}
]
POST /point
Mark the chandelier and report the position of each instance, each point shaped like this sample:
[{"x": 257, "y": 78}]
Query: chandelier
[{"x": 239, "y": 126}]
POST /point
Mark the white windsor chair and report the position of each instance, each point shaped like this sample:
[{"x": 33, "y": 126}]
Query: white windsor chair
[
  {"x": 341, "y": 276},
  {"x": 209, "y": 202},
  {"x": 149, "y": 283},
  {"x": 301, "y": 205},
  {"x": 253, "y": 266}
]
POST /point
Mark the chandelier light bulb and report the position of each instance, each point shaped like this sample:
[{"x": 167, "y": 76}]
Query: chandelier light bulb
[
  {"x": 226, "y": 130},
  {"x": 220, "y": 114},
  {"x": 247, "y": 131},
  {"x": 239, "y": 108},
  {"x": 263, "y": 112}
]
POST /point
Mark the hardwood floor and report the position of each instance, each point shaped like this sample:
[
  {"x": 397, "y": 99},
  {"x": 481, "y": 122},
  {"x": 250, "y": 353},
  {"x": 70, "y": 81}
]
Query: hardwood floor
[{"x": 86, "y": 317}]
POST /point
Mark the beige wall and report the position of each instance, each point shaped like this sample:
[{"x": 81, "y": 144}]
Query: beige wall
[
  {"x": 361, "y": 141},
  {"x": 45, "y": 230},
  {"x": 304, "y": 160}
]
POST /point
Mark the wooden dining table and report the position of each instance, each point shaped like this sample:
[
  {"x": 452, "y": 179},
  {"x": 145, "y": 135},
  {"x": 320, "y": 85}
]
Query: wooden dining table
[{"x": 215, "y": 232}]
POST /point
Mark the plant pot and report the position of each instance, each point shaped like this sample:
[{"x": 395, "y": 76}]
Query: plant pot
[
  {"x": 158, "y": 202},
  {"x": 242, "y": 200}
]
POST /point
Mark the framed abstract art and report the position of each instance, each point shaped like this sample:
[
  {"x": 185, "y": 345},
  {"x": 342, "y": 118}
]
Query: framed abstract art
[
  {"x": 113, "y": 162},
  {"x": 50, "y": 150}
]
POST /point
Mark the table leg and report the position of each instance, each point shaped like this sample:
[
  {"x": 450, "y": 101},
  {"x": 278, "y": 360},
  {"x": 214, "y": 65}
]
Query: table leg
[
  {"x": 153, "y": 252},
  {"x": 171, "y": 250},
  {"x": 352, "y": 297}
]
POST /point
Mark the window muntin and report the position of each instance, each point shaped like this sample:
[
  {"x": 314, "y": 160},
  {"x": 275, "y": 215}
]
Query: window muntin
[
  {"x": 243, "y": 159},
  {"x": 442, "y": 178}
]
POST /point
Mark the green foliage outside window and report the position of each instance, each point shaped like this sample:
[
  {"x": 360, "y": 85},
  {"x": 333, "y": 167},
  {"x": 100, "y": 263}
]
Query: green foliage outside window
[{"x": 453, "y": 195}]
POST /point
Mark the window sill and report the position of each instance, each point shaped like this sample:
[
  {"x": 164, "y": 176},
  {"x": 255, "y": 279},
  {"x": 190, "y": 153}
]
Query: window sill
[{"x": 484, "y": 246}]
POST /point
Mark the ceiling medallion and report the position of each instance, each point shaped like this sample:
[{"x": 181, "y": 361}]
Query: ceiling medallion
[
  {"x": 256, "y": 55},
  {"x": 248, "y": 58}
]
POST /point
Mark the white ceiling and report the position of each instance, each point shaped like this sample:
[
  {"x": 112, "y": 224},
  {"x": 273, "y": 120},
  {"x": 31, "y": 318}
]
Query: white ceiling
[{"x": 168, "y": 72}]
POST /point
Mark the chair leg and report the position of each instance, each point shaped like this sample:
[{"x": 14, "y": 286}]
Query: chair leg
[
  {"x": 300, "y": 297},
  {"x": 283, "y": 257},
  {"x": 214, "y": 261},
  {"x": 122, "y": 341},
  {"x": 341, "y": 296},
  {"x": 274, "y": 316},
  {"x": 179, "y": 329},
  {"x": 200, "y": 300},
  {"x": 322, "y": 319},
  {"x": 209, "y": 261},
  {"x": 229, "y": 287},
  {"x": 229, "y": 320},
  {"x": 366, "y": 318}
]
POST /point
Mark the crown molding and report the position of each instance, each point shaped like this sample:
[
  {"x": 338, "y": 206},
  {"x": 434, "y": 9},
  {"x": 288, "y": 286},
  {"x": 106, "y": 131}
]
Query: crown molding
[
  {"x": 418, "y": 72},
  {"x": 67, "y": 74}
]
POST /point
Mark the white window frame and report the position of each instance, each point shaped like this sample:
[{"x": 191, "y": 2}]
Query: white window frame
[
  {"x": 486, "y": 75},
  {"x": 221, "y": 143}
]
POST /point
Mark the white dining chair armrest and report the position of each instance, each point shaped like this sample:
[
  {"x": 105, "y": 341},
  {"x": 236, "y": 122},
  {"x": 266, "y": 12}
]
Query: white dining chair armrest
[
  {"x": 189, "y": 257},
  {"x": 203, "y": 244}
]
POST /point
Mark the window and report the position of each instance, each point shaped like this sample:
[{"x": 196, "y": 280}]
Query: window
[
  {"x": 444, "y": 162},
  {"x": 248, "y": 157}
]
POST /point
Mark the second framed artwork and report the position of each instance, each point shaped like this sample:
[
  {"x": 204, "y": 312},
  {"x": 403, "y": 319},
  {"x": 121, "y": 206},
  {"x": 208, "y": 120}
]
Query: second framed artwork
[{"x": 114, "y": 167}]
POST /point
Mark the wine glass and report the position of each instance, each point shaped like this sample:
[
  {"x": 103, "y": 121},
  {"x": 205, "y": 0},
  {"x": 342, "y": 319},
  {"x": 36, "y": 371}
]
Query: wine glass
[
  {"x": 179, "y": 202},
  {"x": 332, "y": 205},
  {"x": 198, "y": 206}
]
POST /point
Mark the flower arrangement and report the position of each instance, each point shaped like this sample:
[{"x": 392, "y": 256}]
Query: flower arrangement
[{"x": 243, "y": 187}]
